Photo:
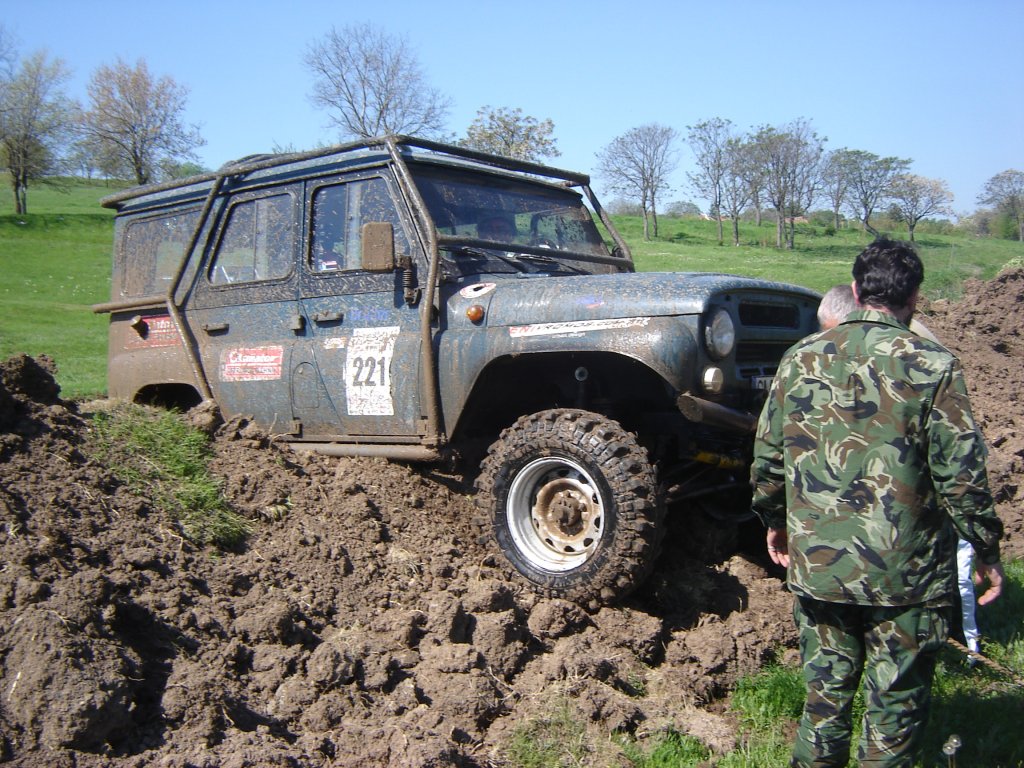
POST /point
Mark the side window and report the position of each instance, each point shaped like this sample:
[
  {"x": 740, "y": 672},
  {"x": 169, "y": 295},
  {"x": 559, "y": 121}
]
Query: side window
[
  {"x": 256, "y": 243},
  {"x": 339, "y": 212},
  {"x": 152, "y": 250}
]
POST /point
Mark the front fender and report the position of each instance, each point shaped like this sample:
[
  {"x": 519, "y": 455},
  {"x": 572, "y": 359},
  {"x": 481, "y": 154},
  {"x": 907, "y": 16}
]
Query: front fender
[{"x": 665, "y": 345}]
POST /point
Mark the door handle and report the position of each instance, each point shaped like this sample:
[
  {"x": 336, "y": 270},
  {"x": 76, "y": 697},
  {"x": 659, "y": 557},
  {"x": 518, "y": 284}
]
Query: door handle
[
  {"x": 214, "y": 327},
  {"x": 328, "y": 316}
]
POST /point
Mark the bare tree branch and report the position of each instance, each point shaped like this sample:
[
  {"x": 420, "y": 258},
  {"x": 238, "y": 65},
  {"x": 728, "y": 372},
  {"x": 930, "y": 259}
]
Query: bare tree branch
[
  {"x": 1005, "y": 191},
  {"x": 371, "y": 85},
  {"x": 790, "y": 161},
  {"x": 709, "y": 141},
  {"x": 134, "y": 123},
  {"x": 870, "y": 177},
  {"x": 638, "y": 163},
  {"x": 915, "y": 197}
]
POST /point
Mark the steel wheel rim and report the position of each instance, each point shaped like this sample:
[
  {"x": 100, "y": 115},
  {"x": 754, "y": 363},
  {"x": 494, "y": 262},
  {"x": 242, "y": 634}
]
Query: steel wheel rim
[{"x": 555, "y": 513}]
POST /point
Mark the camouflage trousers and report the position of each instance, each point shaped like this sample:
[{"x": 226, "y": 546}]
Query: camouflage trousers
[{"x": 894, "y": 650}]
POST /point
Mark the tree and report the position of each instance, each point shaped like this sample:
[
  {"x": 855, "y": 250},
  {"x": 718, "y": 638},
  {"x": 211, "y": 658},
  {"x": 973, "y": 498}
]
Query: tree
[
  {"x": 8, "y": 55},
  {"x": 1005, "y": 191},
  {"x": 835, "y": 181},
  {"x": 806, "y": 180},
  {"x": 915, "y": 197},
  {"x": 789, "y": 160},
  {"x": 372, "y": 85},
  {"x": 683, "y": 209},
  {"x": 134, "y": 122},
  {"x": 709, "y": 141},
  {"x": 35, "y": 122},
  {"x": 869, "y": 179},
  {"x": 510, "y": 133},
  {"x": 638, "y": 164},
  {"x": 736, "y": 185}
]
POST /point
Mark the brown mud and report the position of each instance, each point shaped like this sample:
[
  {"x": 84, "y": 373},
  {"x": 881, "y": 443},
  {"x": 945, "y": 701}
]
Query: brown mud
[{"x": 362, "y": 623}]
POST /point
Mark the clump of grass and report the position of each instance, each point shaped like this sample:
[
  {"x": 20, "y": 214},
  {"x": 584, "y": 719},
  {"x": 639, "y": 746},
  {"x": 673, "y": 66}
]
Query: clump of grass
[
  {"x": 766, "y": 703},
  {"x": 672, "y": 750},
  {"x": 554, "y": 741},
  {"x": 159, "y": 456},
  {"x": 772, "y": 695}
]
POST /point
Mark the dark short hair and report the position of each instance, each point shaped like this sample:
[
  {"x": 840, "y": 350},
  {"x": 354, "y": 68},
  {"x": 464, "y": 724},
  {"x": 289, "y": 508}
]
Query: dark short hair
[{"x": 887, "y": 273}]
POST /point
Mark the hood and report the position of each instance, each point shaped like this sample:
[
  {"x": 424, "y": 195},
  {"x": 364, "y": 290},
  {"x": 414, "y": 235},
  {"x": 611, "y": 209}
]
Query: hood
[{"x": 634, "y": 294}]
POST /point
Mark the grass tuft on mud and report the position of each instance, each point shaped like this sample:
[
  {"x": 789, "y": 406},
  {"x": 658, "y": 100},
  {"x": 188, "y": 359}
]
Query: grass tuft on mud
[{"x": 160, "y": 457}]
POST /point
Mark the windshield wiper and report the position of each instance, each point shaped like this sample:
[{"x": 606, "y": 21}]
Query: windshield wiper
[
  {"x": 502, "y": 256},
  {"x": 548, "y": 261}
]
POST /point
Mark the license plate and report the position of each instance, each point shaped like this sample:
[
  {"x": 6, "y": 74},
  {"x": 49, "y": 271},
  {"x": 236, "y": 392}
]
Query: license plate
[{"x": 761, "y": 382}]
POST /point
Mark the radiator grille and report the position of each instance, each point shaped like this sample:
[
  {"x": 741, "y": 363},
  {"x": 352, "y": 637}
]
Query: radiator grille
[
  {"x": 754, "y": 315},
  {"x": 760, "y": 351}
]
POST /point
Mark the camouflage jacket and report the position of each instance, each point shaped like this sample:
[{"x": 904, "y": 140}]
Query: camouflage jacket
[{"x": 866, "y": 451}]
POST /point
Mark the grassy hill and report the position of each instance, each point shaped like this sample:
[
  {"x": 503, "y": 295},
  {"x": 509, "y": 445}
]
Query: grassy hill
[
  {"x": 55, "y": 263},
  {"x": 818, "y": 260}
]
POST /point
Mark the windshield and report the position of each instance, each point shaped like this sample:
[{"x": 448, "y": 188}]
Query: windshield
[{"x": 500, "y": 215}]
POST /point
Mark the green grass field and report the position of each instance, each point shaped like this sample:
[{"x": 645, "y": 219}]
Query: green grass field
[
  {"x": 817, "y": 261},
  {"x": 55, "y": 263}
]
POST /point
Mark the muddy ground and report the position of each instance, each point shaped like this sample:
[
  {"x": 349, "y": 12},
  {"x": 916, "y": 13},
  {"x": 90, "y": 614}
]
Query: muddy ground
[{"x": 362, "y": 624}]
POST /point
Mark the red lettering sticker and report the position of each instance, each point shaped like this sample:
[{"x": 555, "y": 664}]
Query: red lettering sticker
[
  {"x": 251, "y": 364},
  {"x": 159, "y": 331}
]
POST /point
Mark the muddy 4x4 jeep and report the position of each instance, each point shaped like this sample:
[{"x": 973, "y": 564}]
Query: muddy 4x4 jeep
[{"x": 408, "y": 299}]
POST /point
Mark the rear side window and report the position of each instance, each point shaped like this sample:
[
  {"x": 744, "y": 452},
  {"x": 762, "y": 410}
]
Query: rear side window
[
  {"x": 153, "y": 250},
  {"x": 256, "y": 243}
]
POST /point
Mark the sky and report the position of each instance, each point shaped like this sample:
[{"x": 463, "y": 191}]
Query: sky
[{"x": 933, "y": 81}]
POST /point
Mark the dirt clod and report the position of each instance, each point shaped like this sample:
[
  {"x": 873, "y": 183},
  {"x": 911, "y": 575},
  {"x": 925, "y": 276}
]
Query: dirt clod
[{"x": 362, "y": 623}]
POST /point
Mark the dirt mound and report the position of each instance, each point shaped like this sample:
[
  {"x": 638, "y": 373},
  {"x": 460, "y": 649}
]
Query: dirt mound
[
  {"x": 361, "y": 624},
  {"x": 985, "y": 328}
]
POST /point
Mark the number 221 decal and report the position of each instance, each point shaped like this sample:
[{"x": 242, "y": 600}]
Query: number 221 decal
[{"x": 368, "y": 390}]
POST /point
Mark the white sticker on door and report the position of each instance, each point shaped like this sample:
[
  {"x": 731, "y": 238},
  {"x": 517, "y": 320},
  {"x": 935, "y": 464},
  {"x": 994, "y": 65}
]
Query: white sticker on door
[
  {"x": 251, "y": 363},
  {"x": 368, "y": 372}
]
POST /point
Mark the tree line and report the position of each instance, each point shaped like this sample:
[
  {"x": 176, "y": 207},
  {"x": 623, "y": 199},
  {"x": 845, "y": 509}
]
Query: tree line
[
  {"x": 132, "y": 127},
  {"x": 370, "y": 83},
  {"x": 787, "y": 170}
]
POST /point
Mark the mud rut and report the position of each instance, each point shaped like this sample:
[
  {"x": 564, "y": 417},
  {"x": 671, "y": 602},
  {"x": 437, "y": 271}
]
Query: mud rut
[{"x": 362, "y": 624}]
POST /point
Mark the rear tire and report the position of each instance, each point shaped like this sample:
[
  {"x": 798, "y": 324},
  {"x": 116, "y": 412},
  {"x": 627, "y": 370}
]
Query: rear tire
[{"x": 573, "y": 505}]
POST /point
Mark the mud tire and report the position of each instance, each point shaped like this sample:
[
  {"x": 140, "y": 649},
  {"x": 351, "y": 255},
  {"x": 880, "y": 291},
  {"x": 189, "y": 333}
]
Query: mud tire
[{"x": 572, "y": 501}]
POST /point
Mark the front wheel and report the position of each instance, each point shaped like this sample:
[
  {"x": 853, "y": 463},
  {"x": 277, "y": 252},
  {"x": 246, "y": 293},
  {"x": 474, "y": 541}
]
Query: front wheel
[{"x": 573, "y": 506}]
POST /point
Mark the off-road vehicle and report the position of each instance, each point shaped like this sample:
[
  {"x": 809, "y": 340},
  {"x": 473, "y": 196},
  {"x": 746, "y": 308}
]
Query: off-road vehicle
[{"x": 402, "y": 298}]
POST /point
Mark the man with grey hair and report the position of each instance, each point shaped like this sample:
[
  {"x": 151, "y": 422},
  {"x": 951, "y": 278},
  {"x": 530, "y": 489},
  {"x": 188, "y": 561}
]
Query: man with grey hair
[{"x": 835, "y": 305}]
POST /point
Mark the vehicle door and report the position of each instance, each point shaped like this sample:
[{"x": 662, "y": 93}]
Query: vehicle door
[
  {"x": 244, "y": 312},
  {"x": 364, "y": 334}
]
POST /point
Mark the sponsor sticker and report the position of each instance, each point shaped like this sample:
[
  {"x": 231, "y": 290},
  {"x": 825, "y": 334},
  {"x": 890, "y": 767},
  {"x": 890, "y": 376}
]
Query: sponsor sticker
[
  {"x": 160, "y": 332},
  {"x": 251, "y": 363},
  {"x": 576, "y": 327}
]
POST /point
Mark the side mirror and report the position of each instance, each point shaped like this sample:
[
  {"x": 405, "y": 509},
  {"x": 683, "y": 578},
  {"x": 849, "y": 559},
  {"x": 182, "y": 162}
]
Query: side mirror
[{"x": 378, "y": 246}]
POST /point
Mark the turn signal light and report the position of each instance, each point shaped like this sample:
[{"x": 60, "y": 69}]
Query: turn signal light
[
  {"x": 713, "y": 380},
  {"x": 475, "y": 313}
]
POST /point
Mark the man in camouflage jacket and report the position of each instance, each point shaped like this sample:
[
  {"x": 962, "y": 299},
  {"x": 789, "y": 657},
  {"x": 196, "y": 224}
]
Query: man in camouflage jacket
[{"x": 867, "y": 465}]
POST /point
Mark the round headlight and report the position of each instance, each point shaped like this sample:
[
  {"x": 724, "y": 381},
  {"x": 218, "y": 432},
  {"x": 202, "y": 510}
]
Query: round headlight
[{"x": 719, "y": 334}]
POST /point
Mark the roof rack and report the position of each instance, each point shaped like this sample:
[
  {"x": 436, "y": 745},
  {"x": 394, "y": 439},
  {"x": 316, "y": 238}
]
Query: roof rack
[{"x": 396, "y": 144}]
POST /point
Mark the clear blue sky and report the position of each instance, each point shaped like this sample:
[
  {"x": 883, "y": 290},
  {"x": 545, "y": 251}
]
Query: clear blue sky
[{"x": 937, "y": 81}]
